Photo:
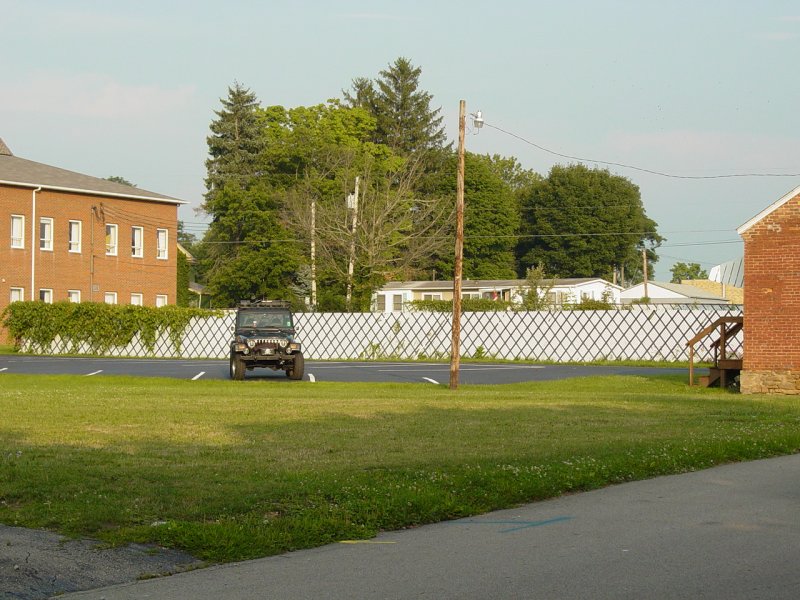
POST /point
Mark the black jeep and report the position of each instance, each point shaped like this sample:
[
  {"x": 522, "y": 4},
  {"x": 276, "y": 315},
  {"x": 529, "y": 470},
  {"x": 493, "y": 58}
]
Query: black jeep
[{"x": 264, "y": 337}]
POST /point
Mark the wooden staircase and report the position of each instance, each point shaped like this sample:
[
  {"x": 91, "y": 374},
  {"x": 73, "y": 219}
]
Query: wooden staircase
[{"x": 724, "y": 369}]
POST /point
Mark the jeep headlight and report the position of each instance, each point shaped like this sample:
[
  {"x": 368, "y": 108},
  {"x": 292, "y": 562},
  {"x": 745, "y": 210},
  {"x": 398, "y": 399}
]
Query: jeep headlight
[{"x": 251, "y": 344}]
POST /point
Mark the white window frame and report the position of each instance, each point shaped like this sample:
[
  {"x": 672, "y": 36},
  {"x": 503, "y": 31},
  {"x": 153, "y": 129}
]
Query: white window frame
[
  {"x": 162, "y": 241},
  {"x": 18, "y": 240},
  {"x": 74, "y": 233},
  {"x": 46, "y": 234},
  {"x": 137, "y": 242},
  {"x": 74, "y": 296},
  {"x": 46, "y": 295},
  {"x": 137, "y": 299},
  {"x": 110, "y": 297},
  {"x": 380, "y": 303},
  {"x": 161, "y": 300},
  {"x": 432, "y": 296},
  {"x": 17, "y": 294},
  {"x": 112, "y": 239},
  {"x": 397, "y": 302}
]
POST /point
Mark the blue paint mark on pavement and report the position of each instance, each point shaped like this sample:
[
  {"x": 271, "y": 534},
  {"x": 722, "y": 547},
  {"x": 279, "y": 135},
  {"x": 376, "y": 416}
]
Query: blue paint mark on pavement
[{"x": 518, "y": 524}]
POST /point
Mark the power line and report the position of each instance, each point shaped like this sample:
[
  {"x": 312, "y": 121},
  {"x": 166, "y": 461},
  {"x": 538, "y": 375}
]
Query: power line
[{"x": 625, "y": 166}]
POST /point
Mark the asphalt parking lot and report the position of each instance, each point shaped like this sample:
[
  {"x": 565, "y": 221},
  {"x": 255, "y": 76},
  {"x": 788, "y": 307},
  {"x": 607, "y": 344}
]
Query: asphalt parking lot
[{"x": 406, "y": 372}]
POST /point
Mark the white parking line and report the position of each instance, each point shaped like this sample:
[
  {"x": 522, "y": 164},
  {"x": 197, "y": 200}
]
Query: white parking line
[
  {"x": 95, "y": 373},
  {"x": 3, "y": 369},
  {"x": 198, "y": 376},
  {"x": 433, "y": 381},
  {"x": 311, "y": 378}
]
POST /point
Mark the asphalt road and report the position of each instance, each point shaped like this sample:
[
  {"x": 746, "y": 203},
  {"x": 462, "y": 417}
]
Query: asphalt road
[
  {"x": 731, "y": 533},
  {"x": 430, "y": 373}
]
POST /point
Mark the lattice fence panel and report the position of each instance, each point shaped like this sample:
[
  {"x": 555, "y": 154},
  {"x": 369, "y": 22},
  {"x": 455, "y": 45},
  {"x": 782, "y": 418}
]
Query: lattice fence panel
[{"x": 642, "y": 333}]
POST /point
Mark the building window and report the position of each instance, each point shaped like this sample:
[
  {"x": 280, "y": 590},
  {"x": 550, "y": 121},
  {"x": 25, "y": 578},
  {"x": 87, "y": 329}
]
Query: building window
[
  {"x": 45, "y": 233},
  {"x": 161, "y": 300},
  {"x": 46, "y": 295},
  {"x": 111, "y": 239},
  {"x": 17, "y": 294},
  {"x": 397, "y": 302},
  {"x": 17, "y": 231},
  {"x": 137, "y": 299},
  {"x": 137, "y": 239},
  {"x": 74, "y": 296},
  {"x": 74, "y": 236},
  {"x": 381, "y": 302},
  {"x": 431, "y": 296},
  {"x": 470, "y": 295},
  {"x": 161, "y": 244},
  {"x": 111, "y": 297}
]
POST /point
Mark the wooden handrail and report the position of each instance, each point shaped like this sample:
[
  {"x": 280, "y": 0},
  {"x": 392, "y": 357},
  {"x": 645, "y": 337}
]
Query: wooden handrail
[{"x": 721, "y": 342}]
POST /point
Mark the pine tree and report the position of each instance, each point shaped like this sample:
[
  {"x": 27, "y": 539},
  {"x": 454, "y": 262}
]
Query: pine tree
[
  {"x": 234, "y": 144},
  {"x": 405, "y": 121}
]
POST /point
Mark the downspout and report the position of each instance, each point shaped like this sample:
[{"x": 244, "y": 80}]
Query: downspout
[{"x": 33, "y": 241}]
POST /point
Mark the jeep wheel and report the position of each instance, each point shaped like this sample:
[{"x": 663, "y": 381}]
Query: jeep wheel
[
  {"x": 237, "y": 367},
  {"x": 298, "y": 366}
]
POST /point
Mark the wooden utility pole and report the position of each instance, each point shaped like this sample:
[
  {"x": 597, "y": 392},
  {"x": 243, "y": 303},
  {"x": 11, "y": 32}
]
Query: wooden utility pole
[
  {"x": 314, "y": 254},
  {"x": 455, "y": 349},
  {"x": 644, "y": 270},
  {"x": 351, "y": 264}
]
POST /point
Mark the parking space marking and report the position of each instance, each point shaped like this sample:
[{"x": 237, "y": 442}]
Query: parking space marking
[
  {"x": 429, "y": 380},
  {"x": 4, "y": 369},
  {"x": 311, "y": 378},
  {"x": 198, "y": 376},
  {"x": 95, "y": 373}
]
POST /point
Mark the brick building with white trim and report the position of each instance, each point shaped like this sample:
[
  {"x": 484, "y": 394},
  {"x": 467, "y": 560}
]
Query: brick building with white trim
[
  {"x": 65, "y": 236},
  {"x": 772, "y": 298}
]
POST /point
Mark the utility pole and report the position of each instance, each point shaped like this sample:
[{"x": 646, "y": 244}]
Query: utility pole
[
  {"x": 644, "y": 270},
  {"x": 455, "y": 351},
  {"x": 314, "y": 254},
  {"x": 351, "y": 265}
]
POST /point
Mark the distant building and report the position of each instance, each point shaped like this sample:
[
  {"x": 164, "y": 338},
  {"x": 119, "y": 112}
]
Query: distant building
[
  {"x": 394, "y": 296},
  {"x": 731, "y": 293},
  {"x": 659, "y": 292},
  {"x": 71, "y": 237}
]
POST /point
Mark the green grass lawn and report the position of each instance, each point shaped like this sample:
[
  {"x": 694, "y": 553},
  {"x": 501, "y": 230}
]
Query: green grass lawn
[{"x": 233, "y": 470}]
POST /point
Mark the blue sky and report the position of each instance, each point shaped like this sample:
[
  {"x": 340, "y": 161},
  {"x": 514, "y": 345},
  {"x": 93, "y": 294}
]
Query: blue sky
[{"x": 688, "y": 88}]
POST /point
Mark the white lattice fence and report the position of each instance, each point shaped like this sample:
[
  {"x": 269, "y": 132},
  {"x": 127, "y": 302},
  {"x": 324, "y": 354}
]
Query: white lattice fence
[{"x": 639, "y": 334}]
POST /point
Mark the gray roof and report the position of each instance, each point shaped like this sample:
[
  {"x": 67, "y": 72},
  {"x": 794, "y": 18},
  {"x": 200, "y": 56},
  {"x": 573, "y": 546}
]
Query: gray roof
[
  {"x": 27, "y": 173},
  {"x": 480, "y": 283}
]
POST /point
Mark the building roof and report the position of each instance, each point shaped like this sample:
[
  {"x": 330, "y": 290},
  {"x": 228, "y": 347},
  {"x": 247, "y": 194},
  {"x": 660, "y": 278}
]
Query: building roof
[
  {"x": 729, "y": 273},
  {"x": 21, "y": 172},
  {"x": 689, "y": 291},
  {"x": 486, "y": 283},
  {"x": 769, "y": 210}
]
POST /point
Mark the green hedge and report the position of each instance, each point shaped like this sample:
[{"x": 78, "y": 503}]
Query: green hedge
[{"x": 100, "y": 326}]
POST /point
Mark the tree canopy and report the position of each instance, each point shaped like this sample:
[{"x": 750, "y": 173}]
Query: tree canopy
[
  {"x": 286, "y": 223},
  {"x": 681, "y": 271},
  {"x": 582, "y": 222}
]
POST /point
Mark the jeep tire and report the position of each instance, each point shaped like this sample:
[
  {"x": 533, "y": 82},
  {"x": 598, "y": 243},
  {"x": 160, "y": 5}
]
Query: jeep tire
[
  {"x": 237, "y": 367},
  {"x": 297, "y": 368}
]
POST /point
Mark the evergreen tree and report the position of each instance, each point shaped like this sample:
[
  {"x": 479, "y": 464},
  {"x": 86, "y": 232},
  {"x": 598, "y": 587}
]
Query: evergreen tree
[
  {"x": 405, "y": 120},
  {"x": 234, "y": 144}
]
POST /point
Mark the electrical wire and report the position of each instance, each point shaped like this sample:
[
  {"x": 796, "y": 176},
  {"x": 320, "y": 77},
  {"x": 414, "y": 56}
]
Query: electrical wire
[{"x": 625, "y": 166}]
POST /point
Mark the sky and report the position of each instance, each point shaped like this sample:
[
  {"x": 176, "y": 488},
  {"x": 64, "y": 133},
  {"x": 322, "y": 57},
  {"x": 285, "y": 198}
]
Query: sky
[{"x": 685, "y": 88}]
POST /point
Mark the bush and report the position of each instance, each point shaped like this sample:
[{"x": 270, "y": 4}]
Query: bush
[{"x": 100, "y": 326}]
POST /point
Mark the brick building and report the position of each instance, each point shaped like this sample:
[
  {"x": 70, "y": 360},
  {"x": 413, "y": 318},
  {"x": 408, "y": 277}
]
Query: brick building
[
  {"x": 66, "y": 236},
  {"x": 772, "y": 298}
]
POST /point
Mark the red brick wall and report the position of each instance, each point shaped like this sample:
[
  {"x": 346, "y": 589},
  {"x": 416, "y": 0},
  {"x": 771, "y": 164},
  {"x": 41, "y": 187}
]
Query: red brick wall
[
  {"x": 772, "y": 291},
  {"x": 61, "y": 270}
]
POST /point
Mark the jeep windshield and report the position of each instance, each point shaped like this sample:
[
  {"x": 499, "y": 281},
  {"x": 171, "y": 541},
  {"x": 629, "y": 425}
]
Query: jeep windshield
[{"x": 264, "y": 319}]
